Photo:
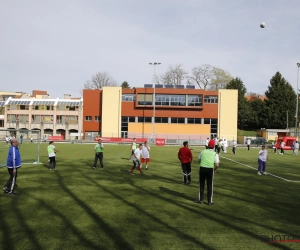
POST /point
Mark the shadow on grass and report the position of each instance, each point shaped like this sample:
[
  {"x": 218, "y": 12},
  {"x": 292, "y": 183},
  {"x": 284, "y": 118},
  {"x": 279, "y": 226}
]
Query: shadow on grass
[{"x": 164, "y": 225}]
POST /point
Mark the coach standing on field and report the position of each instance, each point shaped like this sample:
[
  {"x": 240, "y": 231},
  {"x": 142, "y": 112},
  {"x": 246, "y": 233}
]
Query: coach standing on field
[
  {"x": 98, "y": 154},
  {"x": 186, "y": 158},
  {"x": 209, "y": 162},
  {"x": 13, "y": 163}
]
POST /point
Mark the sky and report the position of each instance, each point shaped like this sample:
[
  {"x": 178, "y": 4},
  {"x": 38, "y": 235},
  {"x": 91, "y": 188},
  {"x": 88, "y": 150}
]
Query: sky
[{"x": 58, "y": 45}]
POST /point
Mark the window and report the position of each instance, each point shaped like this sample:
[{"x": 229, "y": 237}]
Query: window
[
  {"x": 194, "y": 120},
  {"x": 88, "y": 118},
  {"x": 97, "y": 118},
  {"x": 210, "y": 99},
  {"x": 206, "y": 121},
  {"x": 128, "y": 97},
  {"x": 177, "y": 120},
  {"x": 161, "y": 120},
  {"x": 73, "y": 119},
  {"x": 194, "y": 100},
  {"x": 125, "y": 120},
  {"x": 145, "y": 99},
  {"x": 162, "y": 100},
  {"x": 178, "y": 100},
  {"x": 144, "y": 119}
]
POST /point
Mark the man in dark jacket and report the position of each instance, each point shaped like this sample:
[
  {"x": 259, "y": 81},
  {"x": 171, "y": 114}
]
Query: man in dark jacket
[
  {"x": 186, "y": 158},
  {"x": 13, "y": 163}
]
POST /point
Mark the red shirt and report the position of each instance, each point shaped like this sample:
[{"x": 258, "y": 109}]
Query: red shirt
[{"x": 185, "y": 155}]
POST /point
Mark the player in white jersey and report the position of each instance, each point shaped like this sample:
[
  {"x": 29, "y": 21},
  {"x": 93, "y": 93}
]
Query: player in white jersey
[{"x": 145, "y": 154}]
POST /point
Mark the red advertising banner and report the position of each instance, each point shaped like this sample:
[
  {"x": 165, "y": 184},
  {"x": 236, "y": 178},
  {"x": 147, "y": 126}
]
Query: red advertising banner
[
  {"x": 55, "y": 138},
  {"x": 160, "y": 141}
]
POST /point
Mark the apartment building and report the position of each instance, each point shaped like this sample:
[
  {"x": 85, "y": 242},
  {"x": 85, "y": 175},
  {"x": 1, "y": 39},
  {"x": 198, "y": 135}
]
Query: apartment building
[{"x": 52, "y": 117}]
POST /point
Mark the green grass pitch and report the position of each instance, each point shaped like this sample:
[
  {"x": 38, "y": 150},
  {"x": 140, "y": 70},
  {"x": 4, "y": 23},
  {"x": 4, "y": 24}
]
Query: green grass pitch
[{"x": 76, "y": 207}]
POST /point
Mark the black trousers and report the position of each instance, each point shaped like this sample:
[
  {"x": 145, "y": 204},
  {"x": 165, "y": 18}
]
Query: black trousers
[
  {"x": 100, "y": 157},
  {"x": 233, "y": 150},
  {"x": 186, "y": 171},
  {"x": 208, "y": 175},
  {"x": 12, "y": 181},
  {"x": 52, "y": 162}
]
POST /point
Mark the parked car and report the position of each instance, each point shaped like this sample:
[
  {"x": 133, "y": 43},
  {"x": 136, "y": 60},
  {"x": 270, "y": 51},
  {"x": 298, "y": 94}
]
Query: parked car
[{"x": 259, "y": 141}]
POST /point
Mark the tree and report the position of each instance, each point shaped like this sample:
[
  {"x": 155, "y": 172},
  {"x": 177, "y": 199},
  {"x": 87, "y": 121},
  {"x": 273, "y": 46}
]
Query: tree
[
  {"x": 257, "y": 109},
  {"x": 244, "y": 116},
  {"x": 209, "y": 77},
  {"x": 280, "y": 99},
  {"x": 220, "y": 78},
  {"x": 99, "y": 81},
  {"x": 201, "y": 75},
  {"x": 174, "y": 76},
  {"x": 125, "y": 85}
]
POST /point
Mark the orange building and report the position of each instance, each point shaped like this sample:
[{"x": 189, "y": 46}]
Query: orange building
[{"x": 178, "y": 113}]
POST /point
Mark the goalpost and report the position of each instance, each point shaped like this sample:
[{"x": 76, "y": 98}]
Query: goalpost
[{"x": 29, "y": 145}]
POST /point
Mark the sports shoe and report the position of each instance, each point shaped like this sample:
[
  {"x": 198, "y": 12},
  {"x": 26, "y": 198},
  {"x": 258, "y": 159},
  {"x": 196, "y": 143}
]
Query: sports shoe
[
  {"x": 146, "y": 167},
  {"x": 94, "y": 167},
  {"x": 258, "y": 173},
  {"x": 188, "y": 183},
  {"x": 131, "y": 173},
  {"x": 265, "y": 173},
  {"x": 10, "y": 193},
  {"x": 197, "y": 201},
  {"x": 5, "y": 190},
  {"x": 54, "y": 168},
  {"x": 142, "y": 172},
  {"x": 50, "y": 168},
  {"x": 210, "y": 203}
]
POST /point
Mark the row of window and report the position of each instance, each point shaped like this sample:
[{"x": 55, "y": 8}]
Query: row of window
[
  {"x": 126, "y": 119},
  {"x": 213, "y": 122},
  {"x": 170, "y": 100},
  {"x": 42, "y": 107},
  {"x": 90, "y": 119},
  {"x": 60, "y": 119}
]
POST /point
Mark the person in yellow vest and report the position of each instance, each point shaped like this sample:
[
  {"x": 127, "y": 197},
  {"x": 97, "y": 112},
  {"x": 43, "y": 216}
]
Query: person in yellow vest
[
  {"x": 209, "y": 163},
  {"x": 98, "y": 154},
  {"x": 132, "y": 148},
  {"x": 52, "y": 154}
]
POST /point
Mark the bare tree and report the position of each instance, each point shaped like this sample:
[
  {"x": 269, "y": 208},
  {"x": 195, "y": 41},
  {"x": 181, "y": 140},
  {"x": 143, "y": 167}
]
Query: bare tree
[
  {"x": 99, "y": 81},
  {"x": 209, "y": 77},
  {"x": 174, "y": 76},
  {"x": 219, "y": 79},
  {"x": 201, "y": 76}
]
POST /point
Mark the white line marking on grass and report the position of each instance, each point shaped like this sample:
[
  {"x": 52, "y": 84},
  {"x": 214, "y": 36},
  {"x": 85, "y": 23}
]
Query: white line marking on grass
[{"x": 256, "y": 169}]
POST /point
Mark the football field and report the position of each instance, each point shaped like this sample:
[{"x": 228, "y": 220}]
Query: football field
[{"x": 77, "y": 207}]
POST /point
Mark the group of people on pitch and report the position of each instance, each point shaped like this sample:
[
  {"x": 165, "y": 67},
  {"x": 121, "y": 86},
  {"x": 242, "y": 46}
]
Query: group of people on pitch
[
  {"x": 209, "y": 163},
  {"x": 139, "y": 154}
]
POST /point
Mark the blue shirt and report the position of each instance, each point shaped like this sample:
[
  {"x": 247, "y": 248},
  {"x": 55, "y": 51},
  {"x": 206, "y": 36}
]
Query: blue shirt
[{"x": 13, "y": 158}]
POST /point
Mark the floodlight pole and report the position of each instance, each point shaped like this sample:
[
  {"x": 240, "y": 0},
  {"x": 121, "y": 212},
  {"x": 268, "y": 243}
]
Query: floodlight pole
[
  {"x": 297, "y": 102},
  {"x": 154, "y": 98}
]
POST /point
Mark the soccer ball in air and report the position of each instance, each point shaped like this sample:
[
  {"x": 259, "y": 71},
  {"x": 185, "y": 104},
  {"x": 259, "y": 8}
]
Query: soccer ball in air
[{"x": 262, "y": 25}]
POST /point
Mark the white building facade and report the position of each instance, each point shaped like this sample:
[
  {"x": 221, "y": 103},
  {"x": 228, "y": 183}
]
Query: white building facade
[{"x": 52, "y": 117}]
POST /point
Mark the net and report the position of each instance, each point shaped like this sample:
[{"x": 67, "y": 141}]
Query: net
[{"x": 29, "y": 145}]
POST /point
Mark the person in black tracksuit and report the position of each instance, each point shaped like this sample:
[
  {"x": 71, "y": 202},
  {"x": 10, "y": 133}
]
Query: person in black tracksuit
[{"x": 13, "y": 163}]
